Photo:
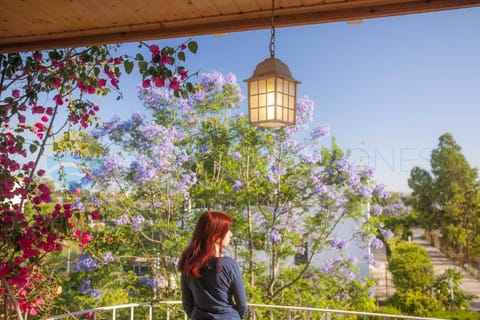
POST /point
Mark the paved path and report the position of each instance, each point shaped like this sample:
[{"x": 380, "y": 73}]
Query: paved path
[{"x": 440, "y": 262}]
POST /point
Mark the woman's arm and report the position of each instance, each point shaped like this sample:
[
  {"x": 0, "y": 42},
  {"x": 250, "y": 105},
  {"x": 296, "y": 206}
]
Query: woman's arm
[
  {"x": 238, "y": 290},
  {"x": 187, "y": 296}
]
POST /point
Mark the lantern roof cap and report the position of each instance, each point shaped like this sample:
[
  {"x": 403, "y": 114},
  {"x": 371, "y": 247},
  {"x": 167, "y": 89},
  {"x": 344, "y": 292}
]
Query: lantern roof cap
[{"x": 272, "y": 67}]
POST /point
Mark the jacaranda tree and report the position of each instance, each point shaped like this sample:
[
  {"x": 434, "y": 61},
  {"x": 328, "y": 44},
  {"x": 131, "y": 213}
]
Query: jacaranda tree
[
  {"x": 45, "y": 101},
  {"x": 288, "y": 193}
]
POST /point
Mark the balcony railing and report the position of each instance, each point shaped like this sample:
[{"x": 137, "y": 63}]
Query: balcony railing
[{"x": 172, "y": 310}]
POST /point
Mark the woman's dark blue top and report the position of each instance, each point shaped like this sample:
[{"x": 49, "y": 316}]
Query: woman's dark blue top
[{"x": 218, "y": 294}]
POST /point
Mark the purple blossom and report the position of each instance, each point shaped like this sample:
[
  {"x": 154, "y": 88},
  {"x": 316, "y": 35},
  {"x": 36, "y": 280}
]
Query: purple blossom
[
  {"x": 376, "y": 210},
  {"x": 149, "y": 281},
  {"x": 187, "y": 181},
  {"x": 320, "y": 131},
  {"x": 380, "y": 192},
  {"x": 236, "y": 155},
  {"x": 95, "y": 293},
  {"x": 371, "y": 292},
  {"x": 122, "y": 220},
  {"x": 365, "y": 191},
  {"x": 386, "y": 233},
  {"x": 327, "y": 267},
  {"x": 237, "y": 185},
  {"x": 347, "y": 273},
  {"x": 137, "y": 222},
  {"x": 174, "y": 261},
  {"x": 144, "y": 170},
  {"x": 85, "y": 286},
  {"x": 113, "y": 163},
  {"x": 156, "y": 99},
  {"x": 338, "y": 243},
  {"x": 212, "y": 79},
  {"x": 301, "y": 250},
  {"x": 78, "y": 205},
  {"x": 107, "y": 257},
  {"x": 85, "y": 263},
  {"x": 369, "y": 258},
  {"x": 275, "y": 236},
  {"x": 376, "y": 243},
  {"x": 152, "y": 130},
  {"x": 95, "y": 201}
]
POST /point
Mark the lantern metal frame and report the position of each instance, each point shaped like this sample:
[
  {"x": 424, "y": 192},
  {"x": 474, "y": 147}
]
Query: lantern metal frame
[{"x": 272, "y": 90}]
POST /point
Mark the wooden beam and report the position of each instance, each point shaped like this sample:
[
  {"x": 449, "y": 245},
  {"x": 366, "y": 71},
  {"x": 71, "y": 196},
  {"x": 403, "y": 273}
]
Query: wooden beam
[{"x": 314, "y": 14}]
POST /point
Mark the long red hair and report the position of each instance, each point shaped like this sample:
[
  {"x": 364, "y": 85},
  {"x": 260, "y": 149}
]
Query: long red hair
[{"x": 211, "y": 227}]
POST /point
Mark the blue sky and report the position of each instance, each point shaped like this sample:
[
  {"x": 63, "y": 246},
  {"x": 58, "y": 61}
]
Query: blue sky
[{"x": 388, "y": 87}]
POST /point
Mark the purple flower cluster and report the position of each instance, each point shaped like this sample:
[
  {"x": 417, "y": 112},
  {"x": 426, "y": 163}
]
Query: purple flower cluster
[
  {"x": 86, "y": 288},
  {"x": 85, "y": 263},
  {"x": 144, "y": 170},
  {"x": 376, "y": 210},
  {"x": 237, "y": 185},
  {"x": 386, "y": 233},
  {"x": 275, "y": 236},
  {"x": 380, "y": 192},
  {"x": 122, "y": 220},
  {"x": 137, "y": 222},
  {"x": 78, "y": 205},
  {"x": 188, "y": 180},
  {"x": 113, "y": 163},
  {"x": 107, "y": 257},
  {"x": 338, "y": 243},
  {"x": 320, "y": 131},
  {"x": 149, "y": 281},
  {"x": 376, "y": 243},
  {"x": 156, "y": 99}
]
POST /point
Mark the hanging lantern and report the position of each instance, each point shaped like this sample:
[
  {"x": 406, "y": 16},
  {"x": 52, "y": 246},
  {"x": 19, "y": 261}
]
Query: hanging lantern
[{"x": 272, "y": 91}]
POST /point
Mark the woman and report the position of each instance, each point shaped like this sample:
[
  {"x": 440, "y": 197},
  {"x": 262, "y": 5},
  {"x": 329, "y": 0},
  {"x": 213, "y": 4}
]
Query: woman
[{"x": 212, "y": 286}]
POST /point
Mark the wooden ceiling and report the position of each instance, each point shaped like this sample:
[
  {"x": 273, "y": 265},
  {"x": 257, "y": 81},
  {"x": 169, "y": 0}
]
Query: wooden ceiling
[{"x": 34, "y": 24}]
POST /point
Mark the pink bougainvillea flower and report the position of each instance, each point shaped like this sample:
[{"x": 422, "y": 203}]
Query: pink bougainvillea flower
[
  {"x": 182, "y": 46},
  {"x": 44, "y": 118},
  {"x": 146, "y": 83},
  {"x": 174, "y": 84},
  {"x": 114, "y": 83},
  {"x": 4, "y": 271},
  {"x": 183, "y": 74},
  {"x": 16, "y": 93},
  {"x": 41, "y": 173},
  {"x": 101, "y": 83},
  {"x": 49, "y": 111},
  {"x": 38, "y": 109},
  {"x": 57, "y": 82},
  {"x": 37, "y": 56},
  {"x": 165, "y": 59},
  {"x": 95, "y": 215},
  {"x": 159, "y": 82},
  {"x": 58, "y": 100},
  {"x": 155, "y": 50}
]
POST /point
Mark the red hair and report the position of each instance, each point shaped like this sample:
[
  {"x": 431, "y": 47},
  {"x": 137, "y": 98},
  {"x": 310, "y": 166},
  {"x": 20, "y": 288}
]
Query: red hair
[{"x": 211, "y": 228}]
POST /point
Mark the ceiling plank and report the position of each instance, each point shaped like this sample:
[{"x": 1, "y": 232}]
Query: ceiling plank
[{"x": 183, "y": 19}]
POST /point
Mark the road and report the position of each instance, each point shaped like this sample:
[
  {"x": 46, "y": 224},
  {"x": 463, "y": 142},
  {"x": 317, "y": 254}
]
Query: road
[{"x": 440, "y": 262}]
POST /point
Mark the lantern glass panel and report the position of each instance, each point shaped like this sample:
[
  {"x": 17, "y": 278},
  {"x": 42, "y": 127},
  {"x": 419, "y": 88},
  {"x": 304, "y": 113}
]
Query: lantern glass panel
[
  {"x": 254, "y": 87},
  {"x": 270, "y": 84}
]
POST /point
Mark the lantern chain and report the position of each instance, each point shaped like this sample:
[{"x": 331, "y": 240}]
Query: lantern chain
[{"x": 272, "y": 36}]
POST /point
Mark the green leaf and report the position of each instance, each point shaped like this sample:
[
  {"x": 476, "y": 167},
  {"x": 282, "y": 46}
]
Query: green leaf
[
  {"x": 181, "y": 56},
  {"x": 33, "y": 148},
  {"x": 142, "y": 65},
  {"x": 193, "y": 46},
  {"x": 139, "y": 57},
  {"x": 128, "y": 65}
]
